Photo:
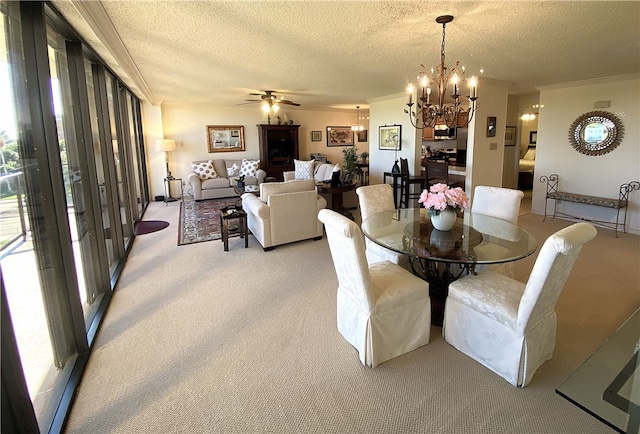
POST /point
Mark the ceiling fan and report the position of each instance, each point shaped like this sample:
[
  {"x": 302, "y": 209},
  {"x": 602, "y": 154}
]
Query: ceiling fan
[{"x": 269, "y": 98}]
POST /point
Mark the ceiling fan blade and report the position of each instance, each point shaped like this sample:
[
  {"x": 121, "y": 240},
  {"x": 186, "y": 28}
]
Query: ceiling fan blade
[{"x": 284, "y": 101}]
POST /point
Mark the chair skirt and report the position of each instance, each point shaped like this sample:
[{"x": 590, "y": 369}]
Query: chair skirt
[
  {"x": 512, "y": 355},
  {"x": 379, "y": 337}
]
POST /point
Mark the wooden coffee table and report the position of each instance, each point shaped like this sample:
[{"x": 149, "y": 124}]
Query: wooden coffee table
[{"x": 336, "y": 196}]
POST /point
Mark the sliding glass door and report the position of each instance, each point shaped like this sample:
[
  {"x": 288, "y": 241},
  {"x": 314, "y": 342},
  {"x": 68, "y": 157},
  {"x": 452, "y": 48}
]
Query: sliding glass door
[{"x": 72, "y": 187}]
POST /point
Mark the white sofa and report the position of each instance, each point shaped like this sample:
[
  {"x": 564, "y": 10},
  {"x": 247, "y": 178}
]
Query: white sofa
[
  {"x": 321, "y": 172},
  {"x": 227, "y": 172},
  {"x": 285, "y": 212}
]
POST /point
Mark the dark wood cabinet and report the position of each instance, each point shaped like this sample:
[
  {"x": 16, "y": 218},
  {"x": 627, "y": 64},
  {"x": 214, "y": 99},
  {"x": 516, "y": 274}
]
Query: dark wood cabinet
[
  {"x": 278, "y": 148},
  {"x": 463, "y": 119},
  {"x": 428, "y": 134}
]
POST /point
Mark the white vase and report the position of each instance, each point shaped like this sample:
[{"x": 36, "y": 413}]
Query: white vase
[
  {"x": 444, "y": 220},
  {"x": 442, "y": 240}
]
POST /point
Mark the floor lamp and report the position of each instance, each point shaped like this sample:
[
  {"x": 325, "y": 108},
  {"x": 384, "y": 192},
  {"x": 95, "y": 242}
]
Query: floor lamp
[{"x": 166, "y": 146}]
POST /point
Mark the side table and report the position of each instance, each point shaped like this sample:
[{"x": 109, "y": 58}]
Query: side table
[
  {"x": 336, "y": 196},
  {"x": 167, "y": 189},
  {"x": 227, "y": 215}
]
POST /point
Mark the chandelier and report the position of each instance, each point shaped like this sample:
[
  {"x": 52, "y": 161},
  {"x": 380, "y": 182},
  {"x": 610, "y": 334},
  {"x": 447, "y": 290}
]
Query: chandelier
[
  {"x": 441, "y": 80},
  {"x": 357, "y": 126}
]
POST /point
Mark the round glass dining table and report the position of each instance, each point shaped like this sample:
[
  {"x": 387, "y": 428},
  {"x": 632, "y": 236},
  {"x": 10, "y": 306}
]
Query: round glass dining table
[{"x": 440, "y": 257}]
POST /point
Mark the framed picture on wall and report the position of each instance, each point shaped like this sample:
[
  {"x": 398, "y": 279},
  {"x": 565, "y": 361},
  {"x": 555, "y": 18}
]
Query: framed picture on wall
[
  {"x": 390, "y": 138},
  {"x": 225, "y": 138},
  {"x": 339, "y": 136},
  {"x": 533, "y": 137},
  {"x": 362, "y": 136},
  {"x": 316, "y": 136},
  {"x": 491, "y": 126}
]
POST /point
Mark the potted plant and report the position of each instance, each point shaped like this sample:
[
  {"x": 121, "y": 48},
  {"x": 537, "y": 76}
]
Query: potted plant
[
  {"x": 349, "y": 154},
  {"x": 364, "y": 156},
  {"x": 240, "y": 182}
]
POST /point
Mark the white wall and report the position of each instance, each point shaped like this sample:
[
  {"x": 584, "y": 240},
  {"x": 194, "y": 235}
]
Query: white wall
[
  {"x": 579, "y": 173},
  {"x": 390, "y": 111},
  {"x": 156, "y": 169},
  {"x": 186, "y": 124},
  {"x": 485, "y": 155}
]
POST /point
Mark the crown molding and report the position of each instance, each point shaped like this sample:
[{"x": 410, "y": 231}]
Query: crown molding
[
  {"x": 96, "y": 16},
  {"x": 387, "y": 97},
  {"x": 592, "y": 81}
]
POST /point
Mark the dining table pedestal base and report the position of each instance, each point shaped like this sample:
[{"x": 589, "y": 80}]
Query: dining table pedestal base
[{"x": 439, "y": 275}]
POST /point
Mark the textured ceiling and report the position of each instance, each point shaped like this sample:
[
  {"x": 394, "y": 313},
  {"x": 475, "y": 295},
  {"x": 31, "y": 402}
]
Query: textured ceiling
[{"x": 338, "y": 54}]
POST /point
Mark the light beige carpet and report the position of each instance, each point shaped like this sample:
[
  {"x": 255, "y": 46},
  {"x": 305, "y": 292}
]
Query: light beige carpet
[{"x": 199, "y": 340}]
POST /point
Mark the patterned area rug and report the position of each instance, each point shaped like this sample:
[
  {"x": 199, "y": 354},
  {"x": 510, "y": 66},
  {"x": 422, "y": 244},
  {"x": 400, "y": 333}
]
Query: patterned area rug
[{"x": 200, "y": 221}]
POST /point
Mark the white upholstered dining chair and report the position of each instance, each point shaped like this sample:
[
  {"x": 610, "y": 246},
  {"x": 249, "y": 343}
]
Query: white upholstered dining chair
[
  {"x": 383, "y": 310},
  {"x": 509, "y": 326},
  {"x": 502, "y": 203},
  {"x": 374, "y": 199}
]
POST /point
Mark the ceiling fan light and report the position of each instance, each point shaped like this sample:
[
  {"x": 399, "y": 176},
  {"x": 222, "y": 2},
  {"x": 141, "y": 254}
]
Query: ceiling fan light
[
  {"x": 276, "y": 107},
  {"x": 265, "y": 107}
]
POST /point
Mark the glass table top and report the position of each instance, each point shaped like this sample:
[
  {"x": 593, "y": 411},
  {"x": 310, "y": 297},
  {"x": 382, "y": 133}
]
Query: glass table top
[
  {"x": 475, "y": 239},
  {"x": 607, "y": 385}
]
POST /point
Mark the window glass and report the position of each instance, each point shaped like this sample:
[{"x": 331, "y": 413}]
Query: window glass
[{"x": 23, "y": 242}]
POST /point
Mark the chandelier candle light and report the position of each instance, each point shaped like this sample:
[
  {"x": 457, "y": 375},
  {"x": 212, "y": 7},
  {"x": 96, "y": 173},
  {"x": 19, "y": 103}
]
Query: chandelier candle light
[{"x": 443, "y": 79}]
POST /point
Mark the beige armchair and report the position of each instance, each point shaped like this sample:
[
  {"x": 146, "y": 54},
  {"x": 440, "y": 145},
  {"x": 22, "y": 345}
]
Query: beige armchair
[{"x": 285, "y": 212}]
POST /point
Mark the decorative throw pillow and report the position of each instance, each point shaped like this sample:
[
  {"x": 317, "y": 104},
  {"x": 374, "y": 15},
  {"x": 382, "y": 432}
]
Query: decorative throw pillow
[
  {"x": 233, "y": 170},
  {"x": 249, "y": 167},
  {"x": 304, "y": 169},
  {"x": 205, "y": 170}
]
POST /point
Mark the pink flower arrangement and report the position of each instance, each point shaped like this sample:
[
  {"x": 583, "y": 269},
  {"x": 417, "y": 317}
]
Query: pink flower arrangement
[{"x": 440, "y": 197}]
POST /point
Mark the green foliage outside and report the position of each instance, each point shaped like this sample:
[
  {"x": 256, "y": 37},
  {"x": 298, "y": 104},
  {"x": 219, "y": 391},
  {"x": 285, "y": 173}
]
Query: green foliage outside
[{"x": 9, "y": 162}]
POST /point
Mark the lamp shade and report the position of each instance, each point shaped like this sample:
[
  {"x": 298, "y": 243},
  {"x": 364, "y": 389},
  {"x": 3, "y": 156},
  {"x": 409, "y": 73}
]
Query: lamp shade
[{"x": 166, "y": 145}]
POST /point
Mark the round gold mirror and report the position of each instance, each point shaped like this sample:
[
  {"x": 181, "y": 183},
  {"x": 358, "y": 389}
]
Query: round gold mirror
[{"x": 596, "y": 133}]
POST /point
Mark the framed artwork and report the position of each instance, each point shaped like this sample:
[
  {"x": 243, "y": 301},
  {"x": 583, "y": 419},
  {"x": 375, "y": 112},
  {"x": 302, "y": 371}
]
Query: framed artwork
[
  {"x": 363, "y": 136},
  {"x": 533, "y": 137},
  {"x": 491, "y": 126},
  {"x": 316, "y": 136},
  {"x": 339, "y": 136},
  {"x": 390, "y": 137},
  {"x": 510, "y": 136},
  {"x": 225, "y": 138}
]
